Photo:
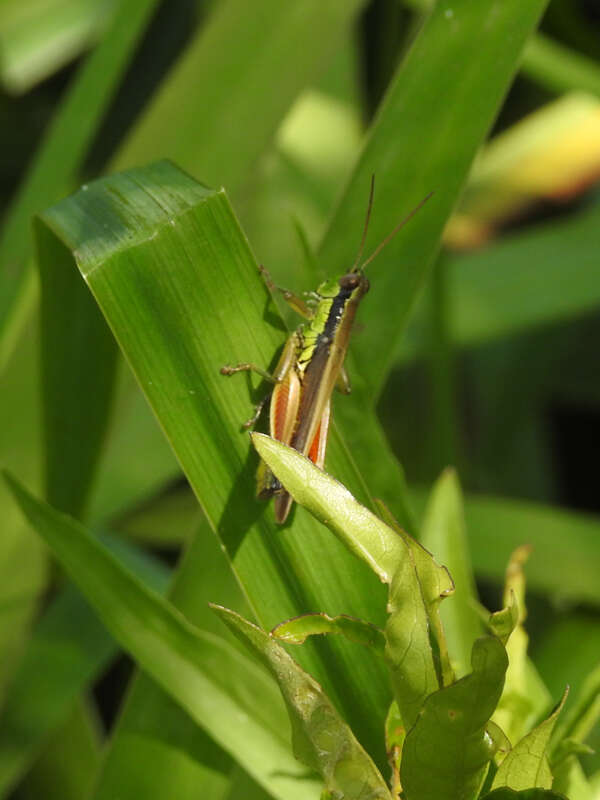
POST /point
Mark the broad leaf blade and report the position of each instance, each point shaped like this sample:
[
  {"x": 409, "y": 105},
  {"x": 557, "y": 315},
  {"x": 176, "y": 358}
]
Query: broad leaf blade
[
  {"x": 297, "y": 630},
  {"x": 322, "y": 740},
  {"x": 436, "y": 584},
  {"x": 364, "y": 534},
  {"x": 527, "y": 766},
  {"x": 526, "y": 794},
  {"x": 447, "y": 753},
  {"x": 410, "y": 647}
]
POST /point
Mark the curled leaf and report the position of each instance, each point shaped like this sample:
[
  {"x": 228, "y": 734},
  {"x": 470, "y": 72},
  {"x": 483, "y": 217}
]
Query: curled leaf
[
  {"x": 297, "y": 630},
  {"x": 321, "y": 738}
]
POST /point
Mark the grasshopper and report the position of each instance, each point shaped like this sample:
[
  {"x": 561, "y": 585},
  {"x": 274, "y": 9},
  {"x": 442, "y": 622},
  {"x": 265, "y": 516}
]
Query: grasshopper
[{"x": 311, "y": 365}]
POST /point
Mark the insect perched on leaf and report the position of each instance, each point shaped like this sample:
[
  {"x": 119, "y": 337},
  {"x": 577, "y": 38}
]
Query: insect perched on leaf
[{"x": 311, "y": 365}]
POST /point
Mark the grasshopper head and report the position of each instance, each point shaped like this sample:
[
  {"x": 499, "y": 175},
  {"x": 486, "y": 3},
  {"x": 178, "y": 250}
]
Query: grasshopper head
[{"x": 356, "y": 281}]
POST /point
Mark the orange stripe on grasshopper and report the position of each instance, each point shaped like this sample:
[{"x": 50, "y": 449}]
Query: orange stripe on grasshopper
[
  {"x": 283, "y": 501},
  {"x": 319, "y": 444},
  {"x": 284, "y": 407},
  {"x": 283, "y": 411}
]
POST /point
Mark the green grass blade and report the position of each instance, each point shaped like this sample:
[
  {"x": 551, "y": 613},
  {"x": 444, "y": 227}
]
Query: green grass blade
[
  {"x": 74, "y": 648},
  {"x": 174, "y": 276},
  {"x": 565, "y": 557},
  {"x": 158, "y": 749},
  {"x": 223, "y": 691},
  {"x": 583, "y": 716},
  {"x": 525, "y": 697},
  {"x": 66, "y": 768},
  {"x": 259, "y": 51},
  {"x": 522, "y": 282},
  {"x": 566, "y": 552},
  {"x": 154, "y": 738},
  {"x": 65, "y": 145},
  {"x": 78, "y": 362},
  {"x": 432, "y": 121},
  {"x": 559, "y": 68},
  {"x": 123, "y": 486},
  {"x": 243, "y": 786},
  {"x": 434, "y": 117},
  {"x": 23, "y": 558},
  {"x": 519, "y": 283},
  {"x": 38, "y": 37}
]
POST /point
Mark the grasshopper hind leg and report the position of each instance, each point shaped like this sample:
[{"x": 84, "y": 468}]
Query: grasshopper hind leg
[
  {"x": 291, "y": 298},
  {"x": 250, "y": 423}
]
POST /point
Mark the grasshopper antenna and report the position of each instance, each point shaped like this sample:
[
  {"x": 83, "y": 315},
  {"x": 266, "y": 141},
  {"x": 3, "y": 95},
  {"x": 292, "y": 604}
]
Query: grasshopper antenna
[
  {"x": 398, "y": 227},
  {"x": 366, "y": 228}
]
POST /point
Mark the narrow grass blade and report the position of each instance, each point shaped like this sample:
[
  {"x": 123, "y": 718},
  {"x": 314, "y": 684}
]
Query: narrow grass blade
[
  {"x": 37, "y": 38},
  {"x": 78, "y": 371},
  {"x": 565, "y": 558},
  {"x": 223, "y": 691},
  {"x": 156, "y": 747},
  {"x": 525, "y": 698},
  {"x": 503, "y": 290},
  {"x": 67, "y": 766},
  {"x": 23, "y": 558},
  {"x": 197, "y": 121},
  {"x": 434, "y": 117},
  {"x": 560, "y": 68},
  {"x": 57, "y": 161},
  {"x": 74, "y": 648},
  {"x": 582, "y": 718}
]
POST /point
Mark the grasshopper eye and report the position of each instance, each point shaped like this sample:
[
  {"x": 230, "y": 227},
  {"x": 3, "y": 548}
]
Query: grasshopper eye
[{"x": 350, "y": 281}]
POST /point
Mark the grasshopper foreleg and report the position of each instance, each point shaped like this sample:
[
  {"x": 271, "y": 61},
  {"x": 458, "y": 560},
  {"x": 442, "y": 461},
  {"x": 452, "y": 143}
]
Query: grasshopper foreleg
[
  {"x": 248, "y": 367},
  {"x": 292, "y": 299}
]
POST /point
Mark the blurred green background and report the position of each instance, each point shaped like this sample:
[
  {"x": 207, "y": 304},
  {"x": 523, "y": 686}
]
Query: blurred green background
[{"x": 497, "y": 373}]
